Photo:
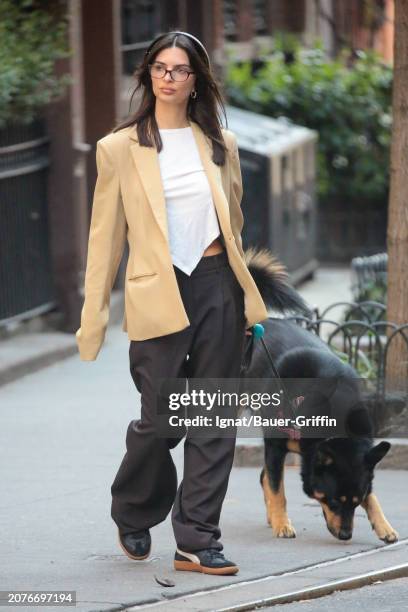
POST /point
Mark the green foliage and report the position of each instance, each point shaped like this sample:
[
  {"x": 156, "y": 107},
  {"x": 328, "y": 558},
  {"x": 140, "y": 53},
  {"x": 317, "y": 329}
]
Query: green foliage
[
  {"x": 366, "y": 366},
  {"x": 32, "y": 37},
  {"x": 374, "y": 289},
  {"x": 286, "y": 42},
  {"x": 350, "y": 107}
]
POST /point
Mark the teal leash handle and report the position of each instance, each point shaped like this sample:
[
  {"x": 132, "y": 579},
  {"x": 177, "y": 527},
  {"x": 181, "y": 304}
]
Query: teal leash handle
[{"x": 258, "y": 330}]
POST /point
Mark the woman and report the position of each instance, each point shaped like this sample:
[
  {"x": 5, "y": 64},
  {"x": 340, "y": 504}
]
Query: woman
[{"x": 169, "y": 181}]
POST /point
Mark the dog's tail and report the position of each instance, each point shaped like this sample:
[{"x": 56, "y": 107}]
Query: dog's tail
[{"x": 271, "y": 278}]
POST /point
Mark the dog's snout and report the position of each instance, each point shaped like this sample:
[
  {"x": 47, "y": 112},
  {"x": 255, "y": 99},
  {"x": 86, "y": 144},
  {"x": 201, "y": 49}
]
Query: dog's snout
[{"x": 344, "y": 534}]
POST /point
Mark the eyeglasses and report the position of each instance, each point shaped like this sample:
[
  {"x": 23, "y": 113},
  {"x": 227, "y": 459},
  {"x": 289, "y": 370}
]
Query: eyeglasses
[{"x": 157, "y": 71}]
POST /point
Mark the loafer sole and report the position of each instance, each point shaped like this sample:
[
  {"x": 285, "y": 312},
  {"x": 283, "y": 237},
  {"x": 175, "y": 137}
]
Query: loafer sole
[
  {"x": 190, "y": 566},
  {"x": 134, "y": 557}
]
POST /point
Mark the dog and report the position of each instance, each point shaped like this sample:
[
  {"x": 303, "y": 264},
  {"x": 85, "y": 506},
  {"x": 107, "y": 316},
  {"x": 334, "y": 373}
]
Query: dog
[{"x": 338, "y": 472}]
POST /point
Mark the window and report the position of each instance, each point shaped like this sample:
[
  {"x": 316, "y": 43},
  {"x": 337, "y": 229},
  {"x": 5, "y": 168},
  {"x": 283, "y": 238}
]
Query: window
[{"x": 142, "y": 20}]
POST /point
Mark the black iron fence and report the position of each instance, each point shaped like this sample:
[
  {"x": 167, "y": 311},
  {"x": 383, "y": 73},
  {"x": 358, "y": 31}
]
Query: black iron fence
[
  {"x": 363, "y": 339},
  {"x": 26, "y": 285}
]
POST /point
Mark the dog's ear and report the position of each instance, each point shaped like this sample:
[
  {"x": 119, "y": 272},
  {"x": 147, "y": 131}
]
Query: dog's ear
[{"x": 375, "y": 454}]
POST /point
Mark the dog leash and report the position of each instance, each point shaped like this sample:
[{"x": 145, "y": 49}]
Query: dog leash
[{"x": 258, "y": 332}]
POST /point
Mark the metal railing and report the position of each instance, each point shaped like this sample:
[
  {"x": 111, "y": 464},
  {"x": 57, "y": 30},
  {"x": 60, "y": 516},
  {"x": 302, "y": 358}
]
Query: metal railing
[
  {"x": 369, "y": 274},
  {"x": 25, "y": 270},
  {"x": 363, "y": 339}
]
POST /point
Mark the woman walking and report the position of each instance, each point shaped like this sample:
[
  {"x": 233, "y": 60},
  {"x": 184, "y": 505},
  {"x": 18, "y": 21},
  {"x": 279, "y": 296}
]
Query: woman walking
[{"x": 169, "y": 182}]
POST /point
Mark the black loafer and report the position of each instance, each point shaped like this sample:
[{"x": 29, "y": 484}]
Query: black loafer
[
  {"x": 207, "y": 561},
  {"x": 136, "y": 545}
]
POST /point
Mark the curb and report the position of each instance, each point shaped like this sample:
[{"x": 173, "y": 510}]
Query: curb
[
  {"x": 52, "y": 346},
  {"x": 302, "y": 583},
  {"x": 322, "y": 590},
  {"x": 252, "y": 454}
]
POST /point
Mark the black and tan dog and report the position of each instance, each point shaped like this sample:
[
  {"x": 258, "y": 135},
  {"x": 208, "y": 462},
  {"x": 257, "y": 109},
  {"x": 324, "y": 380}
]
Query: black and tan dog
[{"x": 336, "y": 471}]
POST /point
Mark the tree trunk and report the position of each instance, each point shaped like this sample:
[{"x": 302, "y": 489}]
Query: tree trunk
[{"x": 397, "y": 231}]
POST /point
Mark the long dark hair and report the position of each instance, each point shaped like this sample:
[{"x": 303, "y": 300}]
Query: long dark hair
[{"x": 202, "y": 109}]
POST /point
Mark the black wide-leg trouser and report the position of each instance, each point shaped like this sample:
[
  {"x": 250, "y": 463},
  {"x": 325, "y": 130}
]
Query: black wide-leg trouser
[{"x": 145, "y": 487}]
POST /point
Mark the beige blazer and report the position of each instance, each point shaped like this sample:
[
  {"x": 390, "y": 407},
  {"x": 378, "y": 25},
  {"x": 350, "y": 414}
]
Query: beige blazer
[{"x": 129, "y": 203}]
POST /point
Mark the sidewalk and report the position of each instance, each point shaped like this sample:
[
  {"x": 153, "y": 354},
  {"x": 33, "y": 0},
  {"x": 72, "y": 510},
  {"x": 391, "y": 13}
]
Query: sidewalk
[
  {"x": 329, "y": 285},
  {"x": 62, "y": 439},
  {"x": 26, "y": 353}
]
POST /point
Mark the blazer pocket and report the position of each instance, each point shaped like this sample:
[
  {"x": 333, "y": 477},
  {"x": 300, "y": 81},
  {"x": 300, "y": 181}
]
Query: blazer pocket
[{"x": 136, "y": 275}]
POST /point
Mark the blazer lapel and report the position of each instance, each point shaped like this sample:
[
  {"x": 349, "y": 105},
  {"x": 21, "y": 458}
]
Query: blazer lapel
[
  {"x": 147, "y": 165},
  {"x": 146, "y": 160}
]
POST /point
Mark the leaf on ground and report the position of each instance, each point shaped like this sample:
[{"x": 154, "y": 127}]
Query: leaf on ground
[{"x": 166, "y": 582}]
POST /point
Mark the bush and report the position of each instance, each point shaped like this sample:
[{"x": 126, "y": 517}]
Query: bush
[
  {"x": 32, "y": 38},
  {"x": 350, "y": 107}
]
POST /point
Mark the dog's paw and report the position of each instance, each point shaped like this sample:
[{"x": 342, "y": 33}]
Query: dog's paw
[
  {"x": 385, "y": 532},
  {"x": 285, "y": 530},
  {"x": 390, "y": 536}
]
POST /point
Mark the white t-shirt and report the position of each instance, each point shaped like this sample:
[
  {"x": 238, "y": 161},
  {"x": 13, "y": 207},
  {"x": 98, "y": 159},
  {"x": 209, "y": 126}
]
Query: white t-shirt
[{"x": 191, "y": 216}]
